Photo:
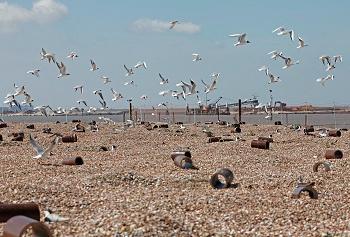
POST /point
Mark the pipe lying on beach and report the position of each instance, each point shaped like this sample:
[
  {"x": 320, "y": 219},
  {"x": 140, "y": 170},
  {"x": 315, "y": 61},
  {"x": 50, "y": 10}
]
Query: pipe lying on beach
[
  {"x": 183, "y": 162},
  {"x": 30, "y": 126},
  {"x": 174, "y": 154},
  {"x": 103, "y": 148},
  {"x": 17, "y": 137},
  {"x": 8, "y": 211},
  {"x": 227, "y": 176},
  {"x": 326, "y": 165},
  {"x": 278, "y": 123},
  {"x": 17, "y": 226},
  {"x": 3, "y": 125},
  {"x": 221, "y": 123},
  {"x": 70, "y": 139},
  {"x": 269, "y": 139},
  {"x": 309, "y": 129},
  {"x": 261, "y": 144},
  {"x": 334, "y": 133},
  {"x": 214, "y": 139},
  {"x": 236, "y": 130},
  {"x": 305, "y": 187},
  {"x": 226, "y": 140},
  {"x": 73, "y": 161},
  {"x": 334, "y": 154}
]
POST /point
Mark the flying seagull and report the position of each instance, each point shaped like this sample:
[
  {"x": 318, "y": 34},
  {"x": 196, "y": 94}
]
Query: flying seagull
[
  {"x": 191, "y": 87},
  {"x": 172, "y": 24},
  {"x": 211, "y": 87},
  {"x": 49, "y": 56},
  {"x": 323, "y": 80},
  {"x": 99, "y": 93},
  {"x": 63, "y": 70},
  {"x": 196, "y": 57},
  {"x": 93, "y": 66},
  {"x": 41, "y": 153},
  {"x": 116, "y": 95},
  {"x": 301, "y": 43},
  {"x": 141, "y": 64},
  {"x": 27, "y": 99},
  {"x": 72, "y": 55},
  {"x": 241, "y": 39},
  {"x": 34, "y": 72},
  {"x": 275, "y": 54},
  {"x": 82, "y": 102},
  {"x": 129, "y": 71},
  {"x": 105, "y": 79},
  {"x": 79, "y": 87},
  {"x": 163, "y": 80},
  {"x": 282, "y": 31}
]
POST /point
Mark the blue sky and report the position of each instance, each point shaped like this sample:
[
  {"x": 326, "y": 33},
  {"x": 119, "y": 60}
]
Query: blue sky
[{"x": 105, "y": 31}]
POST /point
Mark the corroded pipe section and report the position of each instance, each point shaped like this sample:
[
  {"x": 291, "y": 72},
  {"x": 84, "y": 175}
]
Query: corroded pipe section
[
  {"x": 334, "y": 133},
  {"x": 183, "y": 162},
  {"x": 8, "y": 211},
  {"x": 174, "y": 154},
  {"x": 309, "y": 129},
  {"x": 73, "y": 161},
  {"x": 214, "y": 139},
  {"x": 226, "y": 174},
  {"x": 326, "y": 165},
  {"x": 305, "y": 187},
  {"x": 260, "y": 144},
  {"x": 3, "y": 125},
  {"x": 334, "y": 154},
  {"x": 17, "y": 226},
  {"x": 269, "y": 139},
  {"x": 69, "y": 139},
  {"x": 278, "y": 123}
]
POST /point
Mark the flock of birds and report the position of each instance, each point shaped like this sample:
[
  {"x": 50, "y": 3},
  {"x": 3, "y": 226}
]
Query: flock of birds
[{"x": 183, "y": 89}]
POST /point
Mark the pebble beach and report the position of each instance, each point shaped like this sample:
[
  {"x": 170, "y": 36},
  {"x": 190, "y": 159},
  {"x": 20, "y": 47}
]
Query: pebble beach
[{"x": 136, "y": 190}]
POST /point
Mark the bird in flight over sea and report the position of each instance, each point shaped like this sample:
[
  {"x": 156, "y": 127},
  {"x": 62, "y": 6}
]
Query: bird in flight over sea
[
  {"x": 93, "y": 66},
  {"x": 72, "y": 55},
  {"x": 196, "y": 57},
  {"x": 323, "y": 80},
  {"x": 211, "y": 87},
  {"x": 129, "y": 71},
  {"x": 41, "y": 153},
  {"x": 282, "y": 31},
  {"x": 63, "y": 70},
  {"x": 116, "y": 95},
  {"x": 301, "y": 43},
  {"x": 105, "y": 79},
  {"x": 163, "y": 80},
  {"x": 275, "y": 54},
  {"x": 141, "y": 64},
  {"x": 34, "y": 72},
  {"x": 79, "y": 87},
  {"x": 49, "y": 56},
  {"x": 172, "y": 24},
  {"x": 241, "y": 39}
]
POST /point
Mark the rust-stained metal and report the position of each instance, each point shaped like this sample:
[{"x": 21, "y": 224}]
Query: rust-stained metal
[
  {"x": 18, "y": 225},
  {"x": 183, "y": 162},
  {"x": 226, "y": 140},
  {"x": 222, "y": 122},
  {"x": 3, "y": 125},
  {"x": 73, "y": 161},
  {"x": 180, "y": 152},
  {"x": 326, "y": 165},
  {"x": 334, "y": 133},
  {"x": 8, "y": 211},
  {"x": 103, "y": 148},
  {"x": 309, "y": 129},
  {"x": 79, "y": 128},
  {"x": 30, "y": 126},
  {"x": 69, "y": 139},
  {"x": 214, "y": 139},
  {"x": 47, "y": 130},
  {"x": 208, "y": 122},
  {"x": 163, "y": 125},
  {"x": 226, "y": 174},
  {"x": 18, "y": 137},
  {"x": 334, "y": 154},
  {"x": 278, "y": 123},
  {"x": 269, "y": 139},
  {"x": 261, "y": 144},
  {"x": 236, "y": 130},
  {"x": 76, "y": 121},
  {"x": 305, "y": 187}
]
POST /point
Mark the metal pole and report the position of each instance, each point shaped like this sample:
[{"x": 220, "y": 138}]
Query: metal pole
[
  {"x": 173, "y": 117},
  {"x": 218, "y": 112},
  {"x": 130, "y": 110},
  {"x": 124, "y": 116},
  {"x": 158, "y": 116},
  {"x": 239, "y": 111},
  {"x": 270, "y": 105}
]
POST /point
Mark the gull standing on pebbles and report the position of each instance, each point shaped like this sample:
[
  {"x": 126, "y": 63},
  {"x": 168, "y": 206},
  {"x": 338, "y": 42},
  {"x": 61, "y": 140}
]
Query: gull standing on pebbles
[
  {"x": 196, "y": 57},
  {"x": 172, "y": 24},
  {"x": 163, "y": 80},
  {"x": 129, "y": 71},
  {"x": 105, "y": 79},
  {"x": 34, "y": 72},
  {"x": 63, "y": 70},
  {"x": 116, "y": 95},
  {"x": 323, "y": 80},
  {"x": 50, "y": 217},
  {"x": 79, "y": 87},
  {"x": 41, "y": 153},
  {"x": 49, "y": 56},
  {"x": 282, "y": 31},
  {"x": 72, "y": 55},
  {"x": 301, "y": 43},
  {"x": 241, "y": 39},
  {"x": 141, "y": 64},
  {"x": 93, "y": 66}
]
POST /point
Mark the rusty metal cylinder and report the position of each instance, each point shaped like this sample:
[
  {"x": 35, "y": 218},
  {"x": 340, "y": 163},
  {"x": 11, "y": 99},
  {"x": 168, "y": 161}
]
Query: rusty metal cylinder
[
  {"x": 8, "y": 211},
  {"x": 278, "y": 123},
  {"x": 174, "y": 154},
  {"x": 269, "y": 139},
  {"x": 3, "y": 125},
  {"x": 17, "y": 226},
  {"x": 236, "y": 130},
  {"x": 260, "y": 144},
  {"x": 73, "y": 161},
  {"x": 226, "y": 174},
  {"x": 183, "y": 162},
  {"x": 326, "y": 165},
  {"x": 334, "y": 133},
  {"x": 226, "y": 140},
  {"x": 69, "y": 139},
  {"x": 222, "y": 122},
  {"x": 309, "y": 129},
  {"x": 30, "y": 126},
  {"x": 214, "y": 139},
  {"x": 334, "y": 154},
  {"x": 305, "y": 187}
]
